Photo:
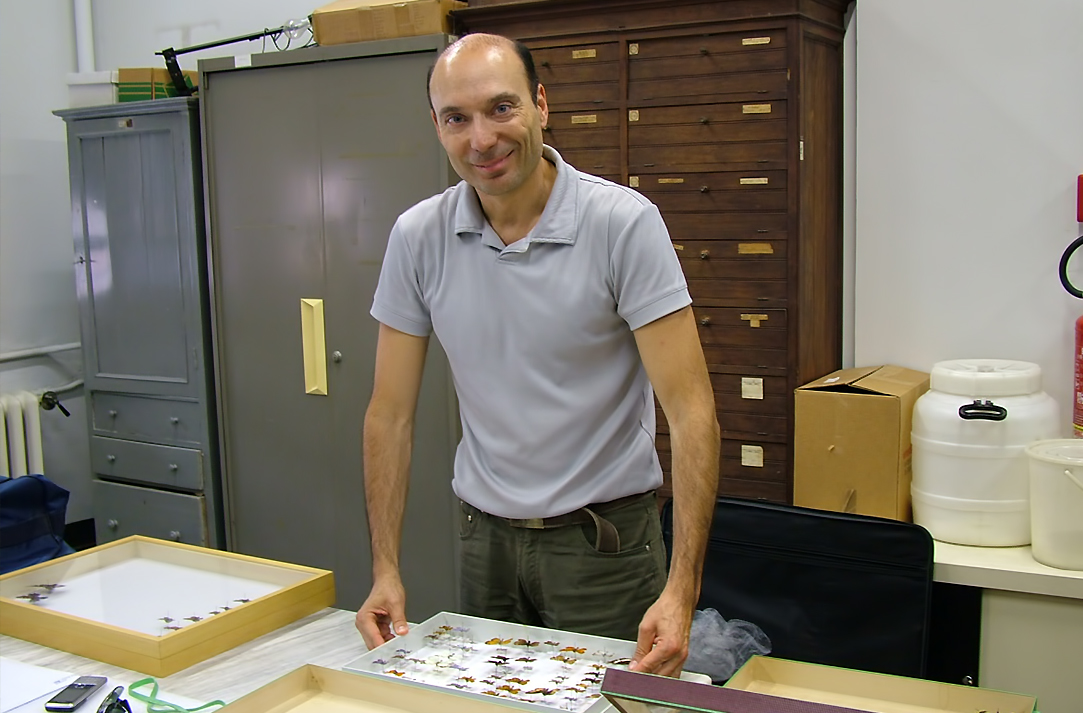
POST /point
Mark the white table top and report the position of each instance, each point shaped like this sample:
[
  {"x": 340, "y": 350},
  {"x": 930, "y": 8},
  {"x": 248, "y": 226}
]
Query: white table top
[
  {"x": 1011, "y": 569},
  {"x": 327, "y": 638}
]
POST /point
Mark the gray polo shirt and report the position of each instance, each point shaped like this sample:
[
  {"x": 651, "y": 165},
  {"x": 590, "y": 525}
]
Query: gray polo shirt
[{"x": 556, "y": 408}]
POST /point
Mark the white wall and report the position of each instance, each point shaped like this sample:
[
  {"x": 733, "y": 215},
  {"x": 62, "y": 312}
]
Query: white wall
[{"x": 969, "y": 141}]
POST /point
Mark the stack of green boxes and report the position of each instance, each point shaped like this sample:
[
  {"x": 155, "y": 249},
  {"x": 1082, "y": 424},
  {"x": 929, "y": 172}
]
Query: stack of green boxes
[{"x": 143, "y": 83}]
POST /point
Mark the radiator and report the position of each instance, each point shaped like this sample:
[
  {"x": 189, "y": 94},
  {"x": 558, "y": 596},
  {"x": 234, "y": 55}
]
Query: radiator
[{"x": 20, "y": 435}]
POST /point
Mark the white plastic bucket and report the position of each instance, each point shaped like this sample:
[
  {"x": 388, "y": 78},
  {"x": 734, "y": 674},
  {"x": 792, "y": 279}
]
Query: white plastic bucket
[
  {"x": 1056, "y": 502},
  {"x": 971, "y": 483}
]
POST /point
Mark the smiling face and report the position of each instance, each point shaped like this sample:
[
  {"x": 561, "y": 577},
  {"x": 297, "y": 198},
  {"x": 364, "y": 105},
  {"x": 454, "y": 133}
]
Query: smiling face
[{"x": 485, "y": 117}]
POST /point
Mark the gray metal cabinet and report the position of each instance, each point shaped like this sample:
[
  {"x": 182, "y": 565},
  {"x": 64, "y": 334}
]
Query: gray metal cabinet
[
  {"x": 310, "y": 156},
  {"x": 140, "y": 275}
]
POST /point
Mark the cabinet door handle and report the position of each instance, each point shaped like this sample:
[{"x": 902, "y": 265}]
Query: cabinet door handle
[
  {"x": 174, "y": 420},
  {"x": 112, "y": 413},
  {"x": 704, "y": 254},
  {"x": 173, "y": 467},
  {"x": 314, "y": 347},
  {"x": 112, "y": 524},
  {"x": 111, "y": 458}
]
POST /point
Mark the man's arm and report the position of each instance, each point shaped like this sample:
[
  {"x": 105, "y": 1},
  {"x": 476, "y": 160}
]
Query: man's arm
[
  {"x": 674, "y": 361},
  {"x": 388, "y": 440}
]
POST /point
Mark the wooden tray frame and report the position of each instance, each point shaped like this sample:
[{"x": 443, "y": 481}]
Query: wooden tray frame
[
  {"x": 176, "y": 650},
  {"x": 314, "y": 689}
]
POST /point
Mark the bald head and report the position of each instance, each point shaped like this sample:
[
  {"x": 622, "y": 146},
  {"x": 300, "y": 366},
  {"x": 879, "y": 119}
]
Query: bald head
[{"x": 481, "y": 42}]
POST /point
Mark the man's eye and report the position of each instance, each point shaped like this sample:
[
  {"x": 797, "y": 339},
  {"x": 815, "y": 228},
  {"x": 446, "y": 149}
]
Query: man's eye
[
  {"x": 503, "y": 108},
  {"x": 454, "y": 119}
]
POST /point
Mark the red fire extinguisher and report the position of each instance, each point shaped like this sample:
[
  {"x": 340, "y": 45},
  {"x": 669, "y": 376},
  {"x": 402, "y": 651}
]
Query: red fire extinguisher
[{"x": 1077, "y": 392}]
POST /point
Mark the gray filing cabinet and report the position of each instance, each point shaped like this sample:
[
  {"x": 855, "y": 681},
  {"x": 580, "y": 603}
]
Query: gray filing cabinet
[
  {"x": 140, "y": 275},
  {"x": 310, "y": 156}
]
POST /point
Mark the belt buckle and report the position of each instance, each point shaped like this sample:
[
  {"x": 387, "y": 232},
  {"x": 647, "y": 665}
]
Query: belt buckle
[{"x": 532, "y": 523}]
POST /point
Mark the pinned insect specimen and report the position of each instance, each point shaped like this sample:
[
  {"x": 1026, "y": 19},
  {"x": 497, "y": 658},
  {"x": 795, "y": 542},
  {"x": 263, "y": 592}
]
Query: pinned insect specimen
[
  {"x": 542, "y": 691},
  {"x": 520, "y": 681},
  {"x": 242, "y": 600},
  {"x": 173, "y": 627},
  {"x": 468, "y": 679},
  {"x": 459, "y": 685},
  {"x": 166, "y": 619},
  {"x": 380, "y": 662},
  {"x": 527, "y": 659},
  {"x": 490, "y": 693},
  {"x": 33, "y": 597},
  {"x": 48, "y": 587},
  {"x": 496, "y": 641},
  {"x": 524, "y": 642},
  {"x": 564, "y": 659},
  {"x": 574, "y": 649},
  {"x": 395, "y": 673},
  {"x": 619, "y": 662},
  {"x": 508, "y": 688}
]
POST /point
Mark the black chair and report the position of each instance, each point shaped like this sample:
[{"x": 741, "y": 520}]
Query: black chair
[{"x": 830, "y": 588}]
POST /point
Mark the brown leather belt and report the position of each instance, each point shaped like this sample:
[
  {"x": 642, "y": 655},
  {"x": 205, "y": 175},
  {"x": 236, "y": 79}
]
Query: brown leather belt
[{"x": 606, "y": 539}]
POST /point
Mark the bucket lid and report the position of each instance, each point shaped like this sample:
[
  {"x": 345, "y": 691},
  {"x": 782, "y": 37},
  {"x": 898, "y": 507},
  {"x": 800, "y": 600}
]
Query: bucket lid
[
  {"x": 1061, "y": 451},
  {"x": 986, "y": 377}
]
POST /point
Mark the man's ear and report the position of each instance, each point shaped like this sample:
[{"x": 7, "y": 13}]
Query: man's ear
[
  {"x": 435, "y": 123},
  {"x": 543, "y": 105}
]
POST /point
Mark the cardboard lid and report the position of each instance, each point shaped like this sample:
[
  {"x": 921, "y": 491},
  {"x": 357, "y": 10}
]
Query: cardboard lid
[{"x": 887, "y": 380}]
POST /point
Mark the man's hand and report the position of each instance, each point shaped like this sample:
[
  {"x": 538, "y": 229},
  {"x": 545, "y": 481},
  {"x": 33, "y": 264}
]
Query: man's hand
[
  {"x": 382, "y": 612},
  {"x": 662, "y": 646}
]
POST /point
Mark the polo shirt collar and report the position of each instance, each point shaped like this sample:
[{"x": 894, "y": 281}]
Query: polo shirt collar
[{"x": 556, "y": 224}]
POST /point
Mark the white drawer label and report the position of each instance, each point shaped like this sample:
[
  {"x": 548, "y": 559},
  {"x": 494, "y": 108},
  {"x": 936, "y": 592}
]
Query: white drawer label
[
  {"x": 751, "y": 388},
  {"x": 752, "y": 456}
]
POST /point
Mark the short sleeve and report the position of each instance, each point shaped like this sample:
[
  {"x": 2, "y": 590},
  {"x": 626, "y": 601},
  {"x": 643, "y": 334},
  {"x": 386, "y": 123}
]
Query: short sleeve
[
  {"x": 647, "y": 276},
  {"x": 399, "y": 301}
]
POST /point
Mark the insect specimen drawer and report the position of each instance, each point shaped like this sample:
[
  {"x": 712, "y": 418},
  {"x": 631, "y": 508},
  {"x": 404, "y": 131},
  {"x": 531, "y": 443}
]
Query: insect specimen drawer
[
  {"x": 525, "y": 667},
  {"x": 155, "y": 606}
]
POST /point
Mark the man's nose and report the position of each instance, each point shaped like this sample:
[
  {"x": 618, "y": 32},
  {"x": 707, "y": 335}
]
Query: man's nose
[{"x": 482, "y": 135}]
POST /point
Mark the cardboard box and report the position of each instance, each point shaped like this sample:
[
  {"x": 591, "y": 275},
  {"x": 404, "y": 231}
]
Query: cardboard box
[
  {"x": 154, "y": 606},
  {"x": 873, "y": 692},
  {"x": 852, "y": 441},
  {"x": 144, "y": 83},
  {"x": 347, "y": 21}
]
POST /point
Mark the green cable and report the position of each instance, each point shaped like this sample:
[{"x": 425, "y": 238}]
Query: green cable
[{"x": 156, "y": 705}]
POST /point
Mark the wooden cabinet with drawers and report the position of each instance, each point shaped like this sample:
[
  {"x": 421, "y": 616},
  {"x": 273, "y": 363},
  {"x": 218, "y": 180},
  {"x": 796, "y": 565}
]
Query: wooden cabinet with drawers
[{"x": 727, "y": 114}]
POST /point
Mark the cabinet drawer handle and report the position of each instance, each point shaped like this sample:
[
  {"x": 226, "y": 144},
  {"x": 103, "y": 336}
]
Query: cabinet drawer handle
[
  {"x": 704, "y": 120},
  {"x": 704, "y": 189},
  {"x": 174, "y": 420},
  {"x": 545, "y": 63},
  {"x": 705, "y": 321},
  {"x": 173, "y": 467},
  {"x": 175, "y": 535},
  {"x": 113, "y": 524},
  {"x": 111, "y": 458},
  {"x": 546, "y": 128},
  {"x": 648, "y": 165},
  {"x": 762, "y": 230},
  {"x": 704, "y": 254},
  {"x": 112, "y": 413},
  {"x": 703, "y": 51}
]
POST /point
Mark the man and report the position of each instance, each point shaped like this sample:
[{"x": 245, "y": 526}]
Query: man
[{"x": 559, "y": 302}]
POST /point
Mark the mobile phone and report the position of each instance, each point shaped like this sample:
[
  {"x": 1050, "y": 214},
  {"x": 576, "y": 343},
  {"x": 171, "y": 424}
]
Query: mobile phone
[{"x": 75, "y": 693}]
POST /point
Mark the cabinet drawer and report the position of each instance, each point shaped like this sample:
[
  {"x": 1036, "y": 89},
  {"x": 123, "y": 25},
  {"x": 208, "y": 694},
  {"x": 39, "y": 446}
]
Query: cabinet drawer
[
  {"x": 764, "y": 156},
  {"x": 596, "y": 161},
  {"x": 729, "y": 326},
  {"x": 699, "y": 62},
  {"x": 122, "y": 510},
  {"x": 172, "y": 467},
  {"x": 706, "y": 133},
  {"x": 596, "y": 62},
  {"x": 772, "y": 361},
  {"x": 754, "y": 43},
  {"x": 752, "y": 394},
  {"x": 738, "y": 293},
  {"x": 729, "y": 117},
  {"x": 147, "y": 418},
  {"x": 733, "y": 259},
  {"x": 759, "y": 86},
  {"x": 747, "y": 228},
  {"x": 704, "y": 192},
  {"x": 751, "y": 459},
  {"x": 583, "y": 129}
]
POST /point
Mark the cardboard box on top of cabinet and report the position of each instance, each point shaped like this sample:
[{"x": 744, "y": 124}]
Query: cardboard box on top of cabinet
[
  {"x": 143, "y": 83},
  {"x": 346, "y": 21},
  {"x": 852, "y": 441}
]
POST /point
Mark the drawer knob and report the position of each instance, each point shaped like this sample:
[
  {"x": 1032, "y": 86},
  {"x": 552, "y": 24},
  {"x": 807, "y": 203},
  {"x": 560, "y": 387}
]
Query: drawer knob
[
  {"x": 175, "y": 535},
  {"x": 112, "y": 524},
  {"x": 336, "y": 356},
  {"x": 111, "y": 458},
  {"x": 112, "y": 413},
  {"x": 704, "y": 254},
  {"x": 545, "y": 63},
  {"x": 173, "y": 467},
  {"x": 705, "y": 321},
  {"x": 174, "y": 420},
  {"x": 704, "y": 189},
  {"x": 703, "y": 51},
  {"x": 704, "y": 120},
  {"x": 546, "y": 128}
]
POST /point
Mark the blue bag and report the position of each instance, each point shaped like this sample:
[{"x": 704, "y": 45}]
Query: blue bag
[{"x": 32, "y": 509}]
